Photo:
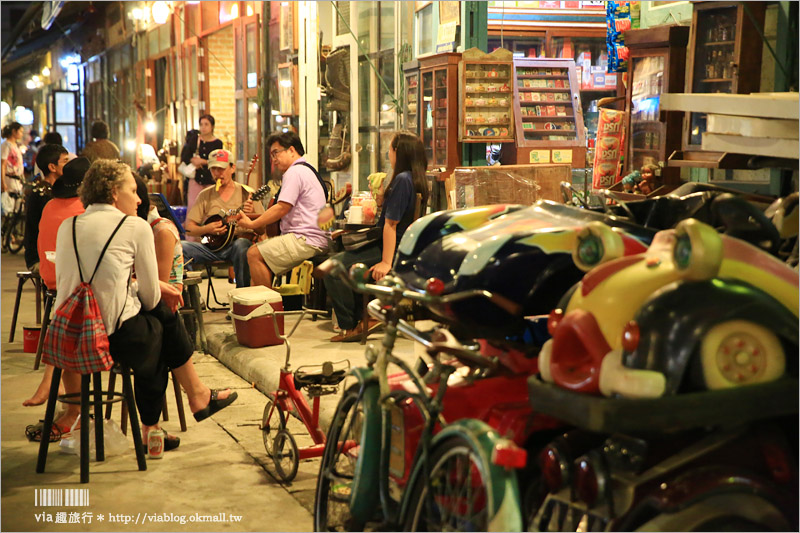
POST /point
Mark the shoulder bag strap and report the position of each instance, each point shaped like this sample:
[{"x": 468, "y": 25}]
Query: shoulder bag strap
[
  {"x": 75, "y": 245},
  {"x": 319, "y": 178},
  {"x": 102, "y": 253}
]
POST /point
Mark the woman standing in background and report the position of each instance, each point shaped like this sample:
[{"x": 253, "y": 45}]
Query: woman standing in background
[{"x": 206, "y": 143}]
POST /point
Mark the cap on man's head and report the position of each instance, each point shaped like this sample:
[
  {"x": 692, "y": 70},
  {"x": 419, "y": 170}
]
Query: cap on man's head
[{"x": 220, "y": 158}]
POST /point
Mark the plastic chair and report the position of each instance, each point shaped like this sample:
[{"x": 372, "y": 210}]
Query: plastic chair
[{"x": 165, "y": 210}]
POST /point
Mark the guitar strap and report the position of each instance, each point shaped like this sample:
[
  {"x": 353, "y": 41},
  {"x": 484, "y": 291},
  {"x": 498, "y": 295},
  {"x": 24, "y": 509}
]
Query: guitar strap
[{"x": 319, "y": 178}]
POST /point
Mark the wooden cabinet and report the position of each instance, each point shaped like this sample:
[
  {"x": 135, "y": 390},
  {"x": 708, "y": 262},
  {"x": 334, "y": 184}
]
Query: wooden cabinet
[
  {"x": 547, "y": 114},
  {"x": 724, "y": 56},
  {"x": 439, "y": 112},
  {"x": 657, "y": 65},
  {"x": 411, "y": 98},
  {"x": 487, "y": 114}
]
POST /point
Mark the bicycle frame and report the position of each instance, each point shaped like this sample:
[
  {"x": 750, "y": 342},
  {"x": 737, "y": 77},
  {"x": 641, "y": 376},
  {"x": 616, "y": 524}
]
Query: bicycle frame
[
  {"x": 293, "y": 402},
  {"x": 369, "y": 490}
]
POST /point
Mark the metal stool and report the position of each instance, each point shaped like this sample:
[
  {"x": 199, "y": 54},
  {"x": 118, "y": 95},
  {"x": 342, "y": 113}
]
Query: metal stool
[
  {"x": 24, "y": 276},
  {"x": 210, "y": 290},
  {"x": 49, "y": 299},
  {"x": 98, "y": 401}
]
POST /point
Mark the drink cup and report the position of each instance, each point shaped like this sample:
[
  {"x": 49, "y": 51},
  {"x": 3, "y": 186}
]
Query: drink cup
[{"x": 356, "y": 214}]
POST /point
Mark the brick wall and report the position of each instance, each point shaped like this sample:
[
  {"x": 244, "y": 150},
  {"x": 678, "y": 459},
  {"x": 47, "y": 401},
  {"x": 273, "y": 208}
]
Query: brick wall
[{"x": 221, "y": 86}]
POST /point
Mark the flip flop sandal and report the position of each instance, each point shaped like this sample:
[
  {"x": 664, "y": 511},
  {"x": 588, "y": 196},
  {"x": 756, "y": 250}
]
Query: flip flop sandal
[
  {"x": 34, "y": 432},
  {"x": 215, "y": 405}
]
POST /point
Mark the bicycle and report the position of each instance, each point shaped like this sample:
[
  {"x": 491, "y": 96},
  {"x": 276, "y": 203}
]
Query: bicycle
[
  {"x": 12, "y": 234},
  {"x": 461, "y": 478},
  {"x": 288, "y": 400}
]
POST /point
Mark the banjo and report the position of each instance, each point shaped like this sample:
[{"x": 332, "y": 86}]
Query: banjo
[{"x": 215, "y": 243}]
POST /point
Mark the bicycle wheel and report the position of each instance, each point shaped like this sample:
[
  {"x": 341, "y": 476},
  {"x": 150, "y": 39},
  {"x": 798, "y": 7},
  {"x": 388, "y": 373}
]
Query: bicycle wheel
[
  {"x": 272, "y": 422},
  {"x": 455, "y": 497},
  {"x": 4, "y": 231},
  {"x": 16, "y": 234},
  {"x": 285, "y": 455},
  {"x": 338, "y": 467}
]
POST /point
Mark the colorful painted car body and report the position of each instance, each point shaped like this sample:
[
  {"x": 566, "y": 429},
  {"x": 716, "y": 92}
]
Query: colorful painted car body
[
  {"x": 523, "y": 254},
  {"x": 697, "y": 311}
]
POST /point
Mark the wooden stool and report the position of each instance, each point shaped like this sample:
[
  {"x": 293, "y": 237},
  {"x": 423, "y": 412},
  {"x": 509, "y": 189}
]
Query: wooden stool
[
  {"x": 49, "y": 300},
  {"x": 112, "y": 385},
  {"x": 192, "y": 311},
  {"x": 24, "y": 276},
  {"x": 98, "y": 401}
]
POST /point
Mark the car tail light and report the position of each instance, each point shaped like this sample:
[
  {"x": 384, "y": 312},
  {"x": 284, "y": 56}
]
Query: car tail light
[
  {"x": 434, "y": 286},
  {"x": 553, "y": 320},
  {"x": 509, "y": 455},
  {"x": 630, "y": 336},
  {"x": 589, "y": 482},
  {"x": 555, "y": 469}
]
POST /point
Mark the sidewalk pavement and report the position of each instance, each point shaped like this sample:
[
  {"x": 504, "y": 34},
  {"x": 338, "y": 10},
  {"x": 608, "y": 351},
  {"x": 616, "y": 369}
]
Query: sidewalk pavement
[{"x": 221, "y": 465}]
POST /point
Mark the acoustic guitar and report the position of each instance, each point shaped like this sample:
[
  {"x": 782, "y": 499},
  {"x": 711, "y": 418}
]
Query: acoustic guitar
[{"x": 216, "y": 243}]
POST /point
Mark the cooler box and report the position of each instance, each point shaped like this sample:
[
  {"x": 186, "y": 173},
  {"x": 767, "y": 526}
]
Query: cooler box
[{"x": 252, "y": 314}]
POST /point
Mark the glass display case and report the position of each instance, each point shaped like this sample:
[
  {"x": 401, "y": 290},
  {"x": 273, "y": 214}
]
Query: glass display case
[
  {"x": 725, "y": 55},
  {"x": 439, "y": 120},
  {"x": 657, "y": 65},
  {"x": 548, "y": 114},
  {"x": 486, "y": 97},
  {"x": 411, "y": 96}
]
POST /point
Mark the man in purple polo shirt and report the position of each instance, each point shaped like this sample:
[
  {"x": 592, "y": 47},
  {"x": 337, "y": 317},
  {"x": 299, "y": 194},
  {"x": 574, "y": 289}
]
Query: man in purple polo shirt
[{"x": 301, "y": 197}]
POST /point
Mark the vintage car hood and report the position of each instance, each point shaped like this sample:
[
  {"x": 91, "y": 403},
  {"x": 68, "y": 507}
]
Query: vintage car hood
[{"x": 544, "y": 226}]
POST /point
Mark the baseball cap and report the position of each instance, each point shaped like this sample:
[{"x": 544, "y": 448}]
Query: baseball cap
[{"x": 220, "y": 158}]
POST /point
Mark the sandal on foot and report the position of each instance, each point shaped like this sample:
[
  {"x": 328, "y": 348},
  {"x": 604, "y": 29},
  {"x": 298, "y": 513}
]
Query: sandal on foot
[
  {"x": 34, "y": 432},
  {"x": 215, "y": 405}
]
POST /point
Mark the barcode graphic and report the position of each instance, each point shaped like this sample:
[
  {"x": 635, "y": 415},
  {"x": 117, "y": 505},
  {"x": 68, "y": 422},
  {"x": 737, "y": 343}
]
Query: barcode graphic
[{"x": 61, "y": 497}]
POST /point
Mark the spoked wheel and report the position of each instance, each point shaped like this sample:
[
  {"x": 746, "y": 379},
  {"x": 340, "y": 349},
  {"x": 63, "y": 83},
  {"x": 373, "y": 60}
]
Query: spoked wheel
[
  {"x": 272, "y": 422},
  {"x": 337, "y": 471},
  {"x": 285, "y": 455},
  {"x": 15, "y": 234},
  {"x": 455, "y": 497}
]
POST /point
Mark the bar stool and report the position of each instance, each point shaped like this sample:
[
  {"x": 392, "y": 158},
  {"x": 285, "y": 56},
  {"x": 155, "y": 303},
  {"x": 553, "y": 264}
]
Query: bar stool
[
  {"x": 84, "y": 399},
  {"x": 49, "y": 300},
  {"x": 192, "y": 311},
  {"x": 112, "y": 386},
  {"x": 24, "y": 276}
]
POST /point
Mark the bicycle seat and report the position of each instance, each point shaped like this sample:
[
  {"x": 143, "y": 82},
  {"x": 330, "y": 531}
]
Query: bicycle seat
[{"x": 325, "y": 375}]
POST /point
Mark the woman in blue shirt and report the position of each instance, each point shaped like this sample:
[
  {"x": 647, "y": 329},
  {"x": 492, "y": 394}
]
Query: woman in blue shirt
[{"x": 408, "y": 161}]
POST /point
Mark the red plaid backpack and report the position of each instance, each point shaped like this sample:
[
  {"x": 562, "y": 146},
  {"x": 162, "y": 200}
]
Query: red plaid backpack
[{"x": 76, "y": 339}]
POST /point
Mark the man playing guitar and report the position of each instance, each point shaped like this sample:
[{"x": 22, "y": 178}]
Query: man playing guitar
[
  {"x": 303, "y": 194},
  {"x": 227, "y": 195}
]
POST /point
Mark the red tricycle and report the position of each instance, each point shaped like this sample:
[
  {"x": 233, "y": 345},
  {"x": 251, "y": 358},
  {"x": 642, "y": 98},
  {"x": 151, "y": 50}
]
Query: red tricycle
[{"x": 288, "y": 399}]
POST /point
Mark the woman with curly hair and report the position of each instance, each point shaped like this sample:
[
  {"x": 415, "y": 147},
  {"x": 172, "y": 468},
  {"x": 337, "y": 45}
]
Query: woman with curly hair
[{"x": 140, "y": 318}]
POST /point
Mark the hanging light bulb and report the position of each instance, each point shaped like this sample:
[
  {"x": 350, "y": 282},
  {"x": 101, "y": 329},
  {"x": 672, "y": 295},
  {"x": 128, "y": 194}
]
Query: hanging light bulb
[
  {"x": 150, "y": 126},
  {"x": 46, "y": 72},
  {"x": 160, "y": 12}
]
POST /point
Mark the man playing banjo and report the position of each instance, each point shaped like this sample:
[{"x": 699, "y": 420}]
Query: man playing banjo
[{"x": 228, "y": 195}]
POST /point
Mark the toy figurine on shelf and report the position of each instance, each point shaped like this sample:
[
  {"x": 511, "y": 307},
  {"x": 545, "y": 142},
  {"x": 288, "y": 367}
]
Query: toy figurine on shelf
[
  {"x": 648, "y": 183},
  {"x": 630, "y": 181}
]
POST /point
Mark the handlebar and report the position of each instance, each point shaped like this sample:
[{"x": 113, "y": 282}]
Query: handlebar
[{"x": 397, "y": 293}]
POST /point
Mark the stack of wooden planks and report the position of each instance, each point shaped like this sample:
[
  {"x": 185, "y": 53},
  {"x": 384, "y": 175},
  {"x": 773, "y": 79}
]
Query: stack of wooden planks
[{"x": 764, "y": 124}]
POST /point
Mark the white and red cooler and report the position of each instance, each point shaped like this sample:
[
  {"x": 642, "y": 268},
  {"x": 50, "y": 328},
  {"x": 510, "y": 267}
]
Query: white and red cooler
[{"x": 252, "y": 312}]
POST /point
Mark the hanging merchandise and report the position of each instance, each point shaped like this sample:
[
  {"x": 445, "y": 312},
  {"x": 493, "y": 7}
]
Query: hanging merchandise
[
  {"x": 607, "y": 148},
  {"x": 620, "y": 17}
]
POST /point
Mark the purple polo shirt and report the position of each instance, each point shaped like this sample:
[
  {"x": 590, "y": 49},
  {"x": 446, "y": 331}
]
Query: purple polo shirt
[{"x": 303, "y": 191}]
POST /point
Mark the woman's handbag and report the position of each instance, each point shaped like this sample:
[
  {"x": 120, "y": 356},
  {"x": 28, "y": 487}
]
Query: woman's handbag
[
  {"x": 361, "y": 239},
  {"x": 187, "y": 170}
]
